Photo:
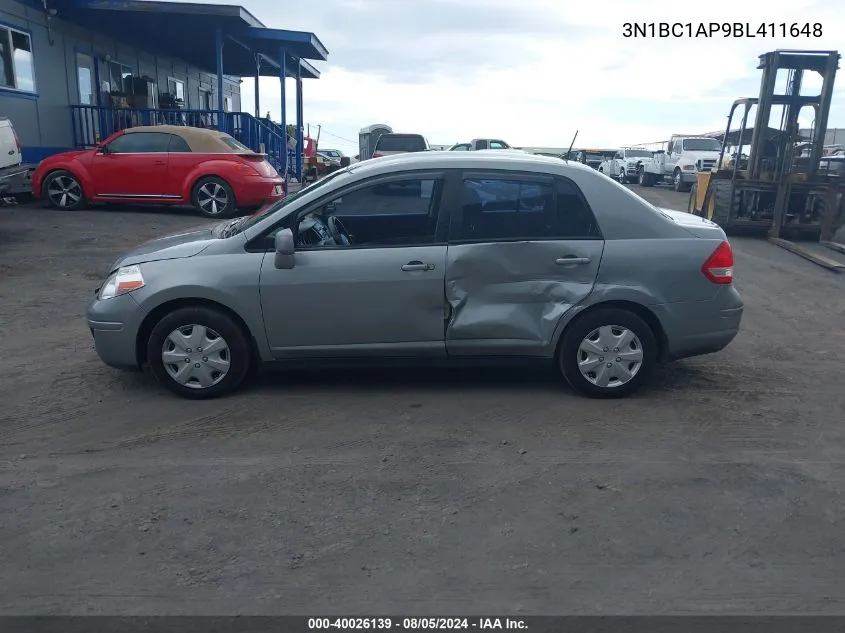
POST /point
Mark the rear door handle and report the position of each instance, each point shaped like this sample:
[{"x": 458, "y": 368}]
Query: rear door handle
[
  {"x": 416, "y": 265},
  {"x": 571, "y": 260}
]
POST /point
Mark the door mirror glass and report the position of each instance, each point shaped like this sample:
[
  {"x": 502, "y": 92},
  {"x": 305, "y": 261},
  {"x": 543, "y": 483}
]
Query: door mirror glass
[{"x": 284, "y": 249}]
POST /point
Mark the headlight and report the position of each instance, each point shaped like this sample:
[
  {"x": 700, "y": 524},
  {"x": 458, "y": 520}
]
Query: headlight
[{"x": 124, "y": 279}]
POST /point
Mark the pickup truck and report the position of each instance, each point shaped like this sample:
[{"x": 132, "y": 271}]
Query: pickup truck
[
  {"x": 479, "y": 144},
  {"x": 683, "y": 157},
  {"x": 624, "y": 165}
]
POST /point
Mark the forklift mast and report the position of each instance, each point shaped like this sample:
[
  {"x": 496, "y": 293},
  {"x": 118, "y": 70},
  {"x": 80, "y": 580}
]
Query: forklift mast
[{"x": 796, "y": 62}]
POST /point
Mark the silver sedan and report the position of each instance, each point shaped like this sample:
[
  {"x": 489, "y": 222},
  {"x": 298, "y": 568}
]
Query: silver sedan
[{"x": 432, "y": 256}]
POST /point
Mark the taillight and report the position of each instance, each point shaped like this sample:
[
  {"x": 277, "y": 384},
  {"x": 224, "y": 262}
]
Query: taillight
[
  {"x": 719, "y": 267},
  {"x": 377, "y": 155},
  {"x": 17, "y": 140}
]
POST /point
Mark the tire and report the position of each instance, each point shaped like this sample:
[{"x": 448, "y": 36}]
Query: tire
[
  {"x": 615, "y": 320},
  {"x": 645, "y": 179},
  {"x": 678, "y": 183},
  {"x": 622, "y": 179},
  {"x": 213, "y": 198},
  {"x": 720, "y": 192},
  {"x": 218, "y": 326},
  {"x": 693, "y": 194},
  {"x": 62, "y": 190}
]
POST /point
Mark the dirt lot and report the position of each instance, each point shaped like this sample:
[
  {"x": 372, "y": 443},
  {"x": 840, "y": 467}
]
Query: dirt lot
[{"x": 719, "y": 489}]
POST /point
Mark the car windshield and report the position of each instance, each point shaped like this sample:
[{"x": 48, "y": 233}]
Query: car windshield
[
  {"x": 637, "y": 153},
  {"x": 591, "y": 156},
  {"x": 702, "y": 145},
  {"x": 247, "y": 221}
]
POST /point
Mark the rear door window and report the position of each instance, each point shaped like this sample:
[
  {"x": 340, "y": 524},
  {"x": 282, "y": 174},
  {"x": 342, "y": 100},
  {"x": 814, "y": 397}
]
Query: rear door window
[
  {"x": 401, "y": 143},
  {"x": 178, "y": 145},
  {"x": 502, "y": 209}
]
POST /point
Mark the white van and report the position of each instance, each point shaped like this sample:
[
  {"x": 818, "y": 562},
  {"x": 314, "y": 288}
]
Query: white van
[{"x": 10, "y": 146}]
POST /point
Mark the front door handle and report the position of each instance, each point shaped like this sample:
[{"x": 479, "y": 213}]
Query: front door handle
[
  {"x": 160, "y": 162},
  {"x": 417, "y": 265},
  {"x": 571, "y": 260}
]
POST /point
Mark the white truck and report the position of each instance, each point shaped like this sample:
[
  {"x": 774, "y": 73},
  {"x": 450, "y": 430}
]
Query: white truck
[
  {"x": 477, "y": 144},
  {"x": 624, "y": 165},
  {"x": 15, "y": 176},
  {"x": 683, "y": 156}
]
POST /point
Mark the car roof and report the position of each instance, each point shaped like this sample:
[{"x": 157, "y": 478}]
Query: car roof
[
  {"x": 496, "y": 159},
  {"x": 199, "y": 139}
]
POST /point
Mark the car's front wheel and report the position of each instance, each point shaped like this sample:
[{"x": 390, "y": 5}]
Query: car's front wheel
[
  {"x": 607, "y": 353},
  {"x": 62, "y": 190},
  {"x": 213, "y": 197},
  {"x": 199, "y": 353}
]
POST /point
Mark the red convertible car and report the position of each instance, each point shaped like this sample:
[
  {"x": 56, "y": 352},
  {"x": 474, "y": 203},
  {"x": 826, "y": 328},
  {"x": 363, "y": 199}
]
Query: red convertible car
[{"x": 161, "y": 164}]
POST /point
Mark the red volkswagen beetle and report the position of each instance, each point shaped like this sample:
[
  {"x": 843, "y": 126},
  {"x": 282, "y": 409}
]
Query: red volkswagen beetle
[{"x": 161, "y": 164}]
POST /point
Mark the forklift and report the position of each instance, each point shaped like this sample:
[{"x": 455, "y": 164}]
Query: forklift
[{"x": 778, "y": 187}]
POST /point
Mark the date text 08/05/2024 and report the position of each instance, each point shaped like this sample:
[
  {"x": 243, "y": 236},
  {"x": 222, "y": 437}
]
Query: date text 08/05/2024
[
  {"x": 382, "y": 625},
  {"x": 721, "y": 29}
]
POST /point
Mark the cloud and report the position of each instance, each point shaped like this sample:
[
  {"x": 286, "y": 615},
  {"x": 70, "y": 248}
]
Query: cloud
[{"x": 534, "y": 71}]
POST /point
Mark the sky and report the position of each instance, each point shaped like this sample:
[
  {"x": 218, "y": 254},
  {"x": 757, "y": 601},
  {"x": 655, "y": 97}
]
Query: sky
[{"x": 532, "y": 72}]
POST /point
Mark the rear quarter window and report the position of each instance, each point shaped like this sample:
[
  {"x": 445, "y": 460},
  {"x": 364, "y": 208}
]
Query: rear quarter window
[{"x": 401, "y": 143}]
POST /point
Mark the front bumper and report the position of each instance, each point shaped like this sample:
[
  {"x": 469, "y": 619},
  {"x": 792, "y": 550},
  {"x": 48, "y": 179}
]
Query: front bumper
[{"x": 114, "y": 326}]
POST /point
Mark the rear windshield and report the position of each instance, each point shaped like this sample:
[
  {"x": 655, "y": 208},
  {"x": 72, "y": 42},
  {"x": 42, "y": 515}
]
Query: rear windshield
[
  {"x": 401, "y": 143},
  {"x": 228, "y": 140}
]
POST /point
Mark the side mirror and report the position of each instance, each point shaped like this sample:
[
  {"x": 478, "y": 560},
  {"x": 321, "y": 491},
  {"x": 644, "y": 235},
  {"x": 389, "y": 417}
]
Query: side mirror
[
  {"x": 102, "y": 149},
  {"x": 284, "y": 249}
]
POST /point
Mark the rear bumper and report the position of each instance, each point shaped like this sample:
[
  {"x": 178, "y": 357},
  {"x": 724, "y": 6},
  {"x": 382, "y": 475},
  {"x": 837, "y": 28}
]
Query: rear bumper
[
  {"x": 257, "y": 191},
  {"x": 697, "y": 328}
]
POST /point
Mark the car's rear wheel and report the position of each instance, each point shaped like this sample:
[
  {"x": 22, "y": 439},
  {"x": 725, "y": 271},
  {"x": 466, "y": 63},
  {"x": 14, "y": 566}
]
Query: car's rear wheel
[
  {"x": 213, "y": 197},
  {"x": 62, "y": 190},
  {"x": 199, "y": 353},
  {"x": 607, "y": 353}
]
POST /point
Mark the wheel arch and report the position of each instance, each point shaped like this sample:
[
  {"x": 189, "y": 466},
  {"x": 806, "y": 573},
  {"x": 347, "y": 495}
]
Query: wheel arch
[
  {"x": 638, "y": 309},
  {"x": 159, "y": 312},
  {"x": 82, "y": 179}
]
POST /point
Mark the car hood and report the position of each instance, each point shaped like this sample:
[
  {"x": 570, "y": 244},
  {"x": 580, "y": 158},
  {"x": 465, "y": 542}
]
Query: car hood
[{"x": 174, "y": 246}]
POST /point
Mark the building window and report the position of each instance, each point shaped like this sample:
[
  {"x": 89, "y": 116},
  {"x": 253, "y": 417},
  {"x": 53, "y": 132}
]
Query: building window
[
  {"x": 16, "y": 69},
  {"x": 120, "y": 78},
  {"x": 227, "y": 104},
  {"x": 176, "y": 87}
]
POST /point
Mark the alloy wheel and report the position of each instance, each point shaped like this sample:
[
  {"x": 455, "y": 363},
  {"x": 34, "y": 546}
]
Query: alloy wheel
[
  {"x": 212, "y": 198},
  {"x": 64, "y": 191}
]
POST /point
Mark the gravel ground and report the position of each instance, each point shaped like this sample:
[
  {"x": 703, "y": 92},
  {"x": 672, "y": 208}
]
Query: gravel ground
[{"x": 717, "y": 490}]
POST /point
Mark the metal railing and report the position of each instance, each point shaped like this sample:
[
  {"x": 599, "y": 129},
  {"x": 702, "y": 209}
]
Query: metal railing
[{"x": 93, "y": 124}]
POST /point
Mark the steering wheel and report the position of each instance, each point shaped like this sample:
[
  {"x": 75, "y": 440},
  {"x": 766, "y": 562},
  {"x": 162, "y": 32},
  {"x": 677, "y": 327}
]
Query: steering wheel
[{"x": 339, "y": 233}]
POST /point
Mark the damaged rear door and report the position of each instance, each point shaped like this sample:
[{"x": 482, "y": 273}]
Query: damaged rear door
[{"x": 524, "y": 248}]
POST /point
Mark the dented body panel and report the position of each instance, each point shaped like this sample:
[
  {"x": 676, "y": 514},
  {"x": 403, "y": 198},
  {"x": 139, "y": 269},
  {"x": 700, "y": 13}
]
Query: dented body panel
[{"x": 507, "y": 298}]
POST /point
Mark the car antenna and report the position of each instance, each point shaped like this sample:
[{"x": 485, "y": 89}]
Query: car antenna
[{"x": 569, "y": 151}]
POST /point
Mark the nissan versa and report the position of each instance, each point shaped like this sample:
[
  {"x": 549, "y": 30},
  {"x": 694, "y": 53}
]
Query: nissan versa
[{"x": 435, "y": 256}]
